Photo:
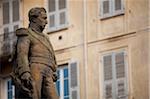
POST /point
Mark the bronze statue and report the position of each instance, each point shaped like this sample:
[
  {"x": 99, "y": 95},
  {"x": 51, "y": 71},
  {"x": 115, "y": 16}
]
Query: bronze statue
[{"x": 35, "y": 71}]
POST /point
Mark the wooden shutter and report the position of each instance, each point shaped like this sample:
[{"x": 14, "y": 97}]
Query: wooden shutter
[
  {"x": 6, "y": 13},
  {"x": 15, "y": 10},
  {"x": 105, "y": 8},
  {"x": 62, "y": 7},
  {"x": 121, "y": 86},
  {"x": 118, "y": 6},
  {"x": 108, "y": 76},
  {"x": 74, "y": 80},
  {"x": 52, "y": 14}
]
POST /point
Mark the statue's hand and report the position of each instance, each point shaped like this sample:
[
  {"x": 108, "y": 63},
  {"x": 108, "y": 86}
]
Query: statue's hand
[{"x": 27, "y": 80}]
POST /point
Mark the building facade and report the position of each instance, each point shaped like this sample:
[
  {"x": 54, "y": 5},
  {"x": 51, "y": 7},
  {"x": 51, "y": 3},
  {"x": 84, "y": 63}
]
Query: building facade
[{"x": 101, "y": 46}]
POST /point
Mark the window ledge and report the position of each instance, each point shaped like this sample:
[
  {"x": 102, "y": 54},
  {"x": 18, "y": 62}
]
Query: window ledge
[
  {"x": 111, "y": 16},
  {"x": 58, "y": 30}
]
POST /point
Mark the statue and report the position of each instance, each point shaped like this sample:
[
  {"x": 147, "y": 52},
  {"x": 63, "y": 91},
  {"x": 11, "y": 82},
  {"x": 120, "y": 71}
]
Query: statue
[{"x": 35, "y": 71}]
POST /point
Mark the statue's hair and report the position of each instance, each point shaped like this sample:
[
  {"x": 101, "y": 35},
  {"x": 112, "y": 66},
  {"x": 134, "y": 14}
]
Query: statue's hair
[{"x": 35, "y": 12}]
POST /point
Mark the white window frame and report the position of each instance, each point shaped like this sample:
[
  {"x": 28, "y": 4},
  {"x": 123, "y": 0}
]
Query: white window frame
[
  {"x": 56, "y": 13},
  {"x": 61, "y": 68},
  {"x": 111, "y": 9},
  {"x": 11, "y": 24},
  {"x": 114, "y": 81}
]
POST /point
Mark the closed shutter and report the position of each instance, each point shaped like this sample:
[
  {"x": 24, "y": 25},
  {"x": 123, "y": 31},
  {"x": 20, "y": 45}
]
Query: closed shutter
[
  {"x": 6, "y": 13},
  {"x": 108, "y": 76},
  {"x": 118, "y": 6},
  {"x": 105, "y": 8},
  {"x": 62, "y": 13},
  {"x": 74, "y": 80},
  {"x": 52, "y": 14},
  {"x": 120, "y": 76},
  {"x": 15, "y": 10}
]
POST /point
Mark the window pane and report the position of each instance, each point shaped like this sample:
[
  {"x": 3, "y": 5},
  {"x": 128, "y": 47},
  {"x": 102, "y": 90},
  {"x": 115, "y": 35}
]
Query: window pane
[
  {"x": 108, "y": 93},
  {"x": 66, "y": 98},
  {"x": 6, "y": 13},
  {"x": 52, "y": 21},
  {"x": 62, "y": 18},
  {"x": 62, "y": 4},
  {"x": 108, "y": 67},
  {"x": 58, "y": 74},
  {"x": 51, "y": 4},
  {"x": 58, "y": 87},
  {"x": 117, "y": 4},
  {"x": 6, "y": 33},
  {"x": 74, "y": 95},
  {"x": 16, "y": 27},
  {"x": 15, "y": 10},
  {"x": 105, "y": 7},
  {"x": 66, "y": 88},
  {"x": 9, "y": 89},
  {"x": 65, "y": 73},
  {"x": 121, "y": 89},
  {"x": 120, "y": 67}
]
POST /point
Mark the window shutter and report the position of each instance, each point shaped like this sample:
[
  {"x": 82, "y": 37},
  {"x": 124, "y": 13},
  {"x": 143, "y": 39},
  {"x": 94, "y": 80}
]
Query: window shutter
[
  {"x": 74, "y": 80},
  {"x": 6, "y": 13},
  {"x": 15, "y": 10},
  {"x": 105, "y": 8},
  {"x": 121, "y": 76},
  {"x": 108, "y": 76},
  {"x": 118, "y": 6}
]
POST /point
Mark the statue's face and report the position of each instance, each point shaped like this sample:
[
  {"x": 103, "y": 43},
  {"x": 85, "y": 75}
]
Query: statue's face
[{"x": 42, "y": 20}]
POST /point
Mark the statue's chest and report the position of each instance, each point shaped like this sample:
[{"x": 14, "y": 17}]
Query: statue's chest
[{"x": 39, "y": 41}]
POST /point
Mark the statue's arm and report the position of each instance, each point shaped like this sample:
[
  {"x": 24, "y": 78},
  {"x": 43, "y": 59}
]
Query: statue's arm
[{"x": 22, "y": 55}]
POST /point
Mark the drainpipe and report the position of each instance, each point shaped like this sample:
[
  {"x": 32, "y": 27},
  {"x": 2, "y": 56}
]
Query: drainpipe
[{"x": 85, "y": 44}]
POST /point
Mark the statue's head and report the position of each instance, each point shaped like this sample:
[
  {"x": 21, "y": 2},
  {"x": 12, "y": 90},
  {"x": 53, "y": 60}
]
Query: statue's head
[{"x": 38, "y": 16}]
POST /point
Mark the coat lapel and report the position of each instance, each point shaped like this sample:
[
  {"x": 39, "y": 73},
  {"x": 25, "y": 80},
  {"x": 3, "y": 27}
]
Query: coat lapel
[{"x": 47, "y": 45}]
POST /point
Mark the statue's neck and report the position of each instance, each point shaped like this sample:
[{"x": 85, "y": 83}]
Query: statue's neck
[{"x": 35, "y": 27}]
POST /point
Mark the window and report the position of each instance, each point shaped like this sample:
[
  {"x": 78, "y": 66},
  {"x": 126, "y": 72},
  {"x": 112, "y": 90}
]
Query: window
[
  {"x": 10, "y": 90},
  {"x": 115, "y": 79},
  {"x": 10, "y": 15},
  {"x": 62, "y": 83},
  {"x": 68, "y": 84},
  {"x": 110, "y": 8},
  {"x": 10, "y": 22},
  {"x": 57, "y": 14}
]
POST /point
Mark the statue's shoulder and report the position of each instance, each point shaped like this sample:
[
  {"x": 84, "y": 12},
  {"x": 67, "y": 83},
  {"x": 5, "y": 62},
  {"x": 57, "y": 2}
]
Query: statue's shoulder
[{"x": 22, "y": 32}]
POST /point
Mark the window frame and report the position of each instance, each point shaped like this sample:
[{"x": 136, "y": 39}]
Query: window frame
[
  {"x": 61, "y": 80},
  {"x": 11, "y": 24},
  {"x": 56, "y": 13},
  {"x": 112, "y": 12},
  {"x": 114, "y": 78}
]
